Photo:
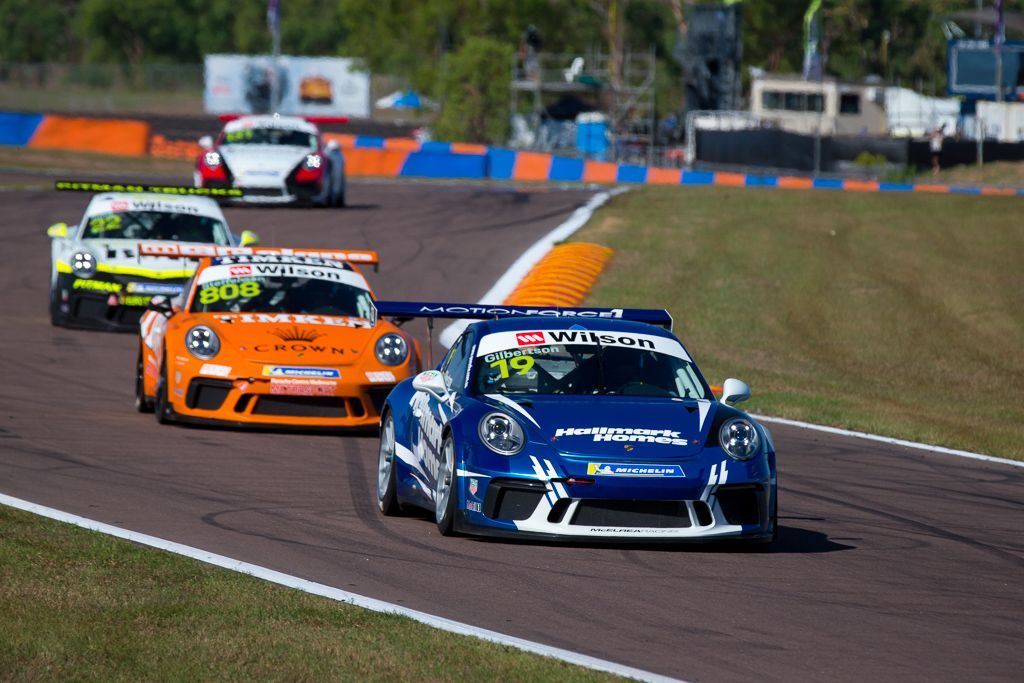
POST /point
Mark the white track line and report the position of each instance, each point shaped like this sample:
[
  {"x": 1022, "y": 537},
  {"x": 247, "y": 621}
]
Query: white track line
[
  {"x": 518, "y": 270},
  {"x": 338, "y": 594},
  {"x": 892, "y": 441}
]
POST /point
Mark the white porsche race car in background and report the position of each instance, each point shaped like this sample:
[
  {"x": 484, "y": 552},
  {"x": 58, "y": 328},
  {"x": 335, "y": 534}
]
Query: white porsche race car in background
[
  {"x": 273, "y": 160},
  {"x": 99, "y": 280}
]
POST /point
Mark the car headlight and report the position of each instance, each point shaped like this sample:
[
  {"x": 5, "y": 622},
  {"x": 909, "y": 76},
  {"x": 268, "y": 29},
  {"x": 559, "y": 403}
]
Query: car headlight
[
  {"x": 391, "y": 349},
  {"x": 502, "y": 434},
  {"x": 738, "y": 438},
  {"x": 313, "y": 161},
  {"x": 83, "y": 264},
  {"x": 212, "y": 159},
  {"x": 202, "y": 342}
]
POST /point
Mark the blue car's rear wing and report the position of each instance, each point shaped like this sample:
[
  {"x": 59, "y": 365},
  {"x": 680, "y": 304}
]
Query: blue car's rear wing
[{"x": 406, "y": 310}]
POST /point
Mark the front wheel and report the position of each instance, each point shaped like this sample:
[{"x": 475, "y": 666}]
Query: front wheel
[
  {"x": 446, "y": 493},
  {"x": 387, "y": 493}
]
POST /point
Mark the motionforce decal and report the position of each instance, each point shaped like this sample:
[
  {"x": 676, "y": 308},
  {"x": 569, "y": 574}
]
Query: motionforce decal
[{"x": 625, "y": 434}]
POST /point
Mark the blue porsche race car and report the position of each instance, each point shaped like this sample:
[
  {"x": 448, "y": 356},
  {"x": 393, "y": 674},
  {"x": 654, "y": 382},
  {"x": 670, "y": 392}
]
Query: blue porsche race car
[{"x": 574, "y": 424}]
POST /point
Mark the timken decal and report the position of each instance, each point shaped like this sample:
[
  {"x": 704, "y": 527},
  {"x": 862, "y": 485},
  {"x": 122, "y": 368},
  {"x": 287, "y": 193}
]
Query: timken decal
[{"x": 625, "y": 434}]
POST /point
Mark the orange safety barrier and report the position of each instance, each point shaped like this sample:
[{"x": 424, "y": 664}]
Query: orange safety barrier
[
  {"x": 370, "y": 161},
  {"x": 468, "y": 148},
  {"x": 860, "y": 185},
  {"x": 730, "y": 179},
  {"x": 161, "y": 147},
  {"x": 343, "y": 139},
  {"x": 105, "y": 136},
  {"x": 794, "y": 183},
  {"x": 663, "y": 176},
  {"x": 531, "y": 166},
  {"x": 600, "y": 172}
]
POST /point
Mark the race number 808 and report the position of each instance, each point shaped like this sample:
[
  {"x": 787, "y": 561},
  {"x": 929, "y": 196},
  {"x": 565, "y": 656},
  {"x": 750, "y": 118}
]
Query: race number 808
[{"x": 228, "y": 291}]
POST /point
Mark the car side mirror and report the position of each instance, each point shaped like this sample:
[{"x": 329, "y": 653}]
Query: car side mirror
[
  {"x": 432, "y": 382},
  {"x": 161, "y": 304},
  {"x": 735, "y": 391},
  {"x": 248, "y": 238},
  {"x": 58, "y": 230},
  {"x": 206, "y": 142}
]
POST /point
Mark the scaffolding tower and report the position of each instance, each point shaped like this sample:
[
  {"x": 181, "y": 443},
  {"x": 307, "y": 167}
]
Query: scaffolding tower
[{"x": 543, "y": 84}]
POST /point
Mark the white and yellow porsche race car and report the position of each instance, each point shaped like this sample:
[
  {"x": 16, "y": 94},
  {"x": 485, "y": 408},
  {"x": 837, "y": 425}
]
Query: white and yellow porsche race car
[{"x": 99, "y": 280}]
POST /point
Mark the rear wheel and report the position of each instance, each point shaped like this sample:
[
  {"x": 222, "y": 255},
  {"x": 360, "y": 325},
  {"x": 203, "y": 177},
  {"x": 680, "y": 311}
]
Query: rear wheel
[
  {"x": 142, "y": 403},
  {"x": 163, "y": 405},
  {"x": 446, "y": 493},
  {"x": 387, "y": 489}
]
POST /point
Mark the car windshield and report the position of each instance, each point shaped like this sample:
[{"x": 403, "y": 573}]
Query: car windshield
[
  {"x": 270, "y": 136},
  {"x": 156, "y": 225},
  {"x": 591, "y": 368},
  {"x": 282, "y": 294}
]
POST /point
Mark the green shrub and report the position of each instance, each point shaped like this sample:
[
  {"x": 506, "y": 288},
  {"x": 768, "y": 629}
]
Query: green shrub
[{"x": 475, "y": 93}]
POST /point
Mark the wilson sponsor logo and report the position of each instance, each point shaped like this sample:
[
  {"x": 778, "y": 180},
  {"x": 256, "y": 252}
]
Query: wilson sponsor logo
[{"x": 584, "y": 337}]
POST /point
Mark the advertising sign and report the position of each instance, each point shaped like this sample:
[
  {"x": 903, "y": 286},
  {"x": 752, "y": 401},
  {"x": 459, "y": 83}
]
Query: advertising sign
[{"x": 308, "y": 86}]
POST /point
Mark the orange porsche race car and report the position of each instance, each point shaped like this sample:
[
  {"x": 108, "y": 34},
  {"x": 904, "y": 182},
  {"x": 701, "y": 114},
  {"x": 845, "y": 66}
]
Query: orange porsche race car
[{"x": 270, "y": 337}]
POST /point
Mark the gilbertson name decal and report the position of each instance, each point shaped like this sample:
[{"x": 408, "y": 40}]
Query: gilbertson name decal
[{"x": 628, "y": 434}]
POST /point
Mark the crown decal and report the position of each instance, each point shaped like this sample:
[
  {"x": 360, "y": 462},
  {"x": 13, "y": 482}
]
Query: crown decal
[{"x": 296, "y": 334}]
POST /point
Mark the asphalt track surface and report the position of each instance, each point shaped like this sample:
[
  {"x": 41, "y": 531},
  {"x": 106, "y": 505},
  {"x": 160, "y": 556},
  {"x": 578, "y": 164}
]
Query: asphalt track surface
[{"x": 892, "y": 563}]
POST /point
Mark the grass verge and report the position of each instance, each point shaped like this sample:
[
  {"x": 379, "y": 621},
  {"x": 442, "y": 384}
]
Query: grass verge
[
  {"x": 78, "y": 605},
  {"x": 891, "y": 314},
  {"x": 58, "y": 160}
]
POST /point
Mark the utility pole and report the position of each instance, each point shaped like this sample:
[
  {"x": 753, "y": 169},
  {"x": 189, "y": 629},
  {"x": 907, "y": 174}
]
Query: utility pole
[
  {"x": 274, "y": 24},
  {"x": 1000, "y": 38}
]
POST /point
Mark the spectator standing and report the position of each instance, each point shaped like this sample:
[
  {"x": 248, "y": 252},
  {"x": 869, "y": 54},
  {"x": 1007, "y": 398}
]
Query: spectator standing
[{"x": 935, "y": 145}]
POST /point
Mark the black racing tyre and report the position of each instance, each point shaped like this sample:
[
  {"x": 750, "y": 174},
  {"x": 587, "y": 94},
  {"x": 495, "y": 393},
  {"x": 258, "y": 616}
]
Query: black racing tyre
[
  {"x": 142, "y": 403},
  {"x": 387, "y": 489},
  {"x": 446, "y": 492},
  {"x": 163, "y": 404},
  {"x": 56, "y": 317}
]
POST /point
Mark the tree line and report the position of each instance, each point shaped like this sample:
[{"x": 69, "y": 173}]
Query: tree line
[{"x": 457, "y": 47}]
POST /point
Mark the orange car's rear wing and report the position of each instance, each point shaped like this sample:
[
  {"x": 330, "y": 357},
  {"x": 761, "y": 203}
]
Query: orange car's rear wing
[{"x": 198, "y": 251}]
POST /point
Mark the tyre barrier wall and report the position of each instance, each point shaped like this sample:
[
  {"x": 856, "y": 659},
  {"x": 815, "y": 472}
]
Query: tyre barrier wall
[
  {"x": 405, "y": 157},
  {"x": 124, "y": 137}
]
